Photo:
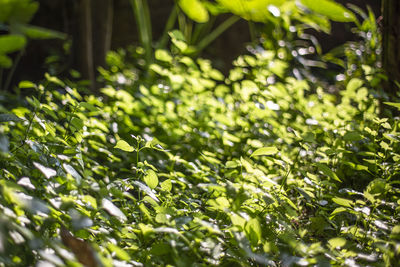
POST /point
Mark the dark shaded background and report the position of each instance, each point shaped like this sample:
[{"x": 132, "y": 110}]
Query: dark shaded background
[{"x": 60, "y": 15}]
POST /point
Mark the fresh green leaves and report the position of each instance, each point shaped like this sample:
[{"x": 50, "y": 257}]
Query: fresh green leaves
[
  {"x": 151, "y": 179},
  {"x": 265, "y": 151},
  {"x": 331, "y": 9},
  {"x": 123, "y": 145},
  {"x": 11, "y": 42},
  {"x": 195, "y": 10}
]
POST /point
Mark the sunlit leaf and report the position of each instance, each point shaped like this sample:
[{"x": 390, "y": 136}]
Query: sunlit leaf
[
  {"x": 265, "y": 151},
  {"x": 343, "y": 202},
  {"x": 11, "y": 42},
  {"x": 48, "y": 172},
  {"x": 123, "y": 145},
  {"x": 253, "y": 230},
  {"x": 327, "y": 171},
  {"x": 331, "y": 9},
  {"x": 113, "y": 210},
  {"x": 337, "y": 242},
  {"x": 195, "y": 10},
  {"x": 151, "y": 179}
]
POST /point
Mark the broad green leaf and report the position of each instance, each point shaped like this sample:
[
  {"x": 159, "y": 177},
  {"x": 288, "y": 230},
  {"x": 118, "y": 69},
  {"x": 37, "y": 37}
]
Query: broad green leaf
[
  {"x": 119, "y": 252},
  {"x": 163, "y": 55},
  {"x": 195, "y": 10},
  {"x": 146, "y": 189},
  {"x": 253, "y": 230},
  {"x": 77, "y": 123},
  {"x": 17, "y": 11},
  {"x": 337, "y": 242},
  {"x": 166, "y": 185},
  {"x": 331, "y": 9},
  {"x": 123, "y": 145},
  {"x": 396, "y": 105},
  {"x": 377, "y": 186},
  {"x": 54, "y": 80},
  {"x": 265, "y": 151},
  {"x": 88, "y": 106},
  {"x": 11, "y": 42},
  {"x": 69, "y": 169},
  {"x": 237, "y": 220},
  {"x": 48, "y": 172},
  {"x": 343, "y": 202},
  {"x": 91, "y": 200},
  {"x": 5, "y": 61},
  {"x": 113, "y": 210},
  {"x": 35, "y": 32},
  {"x": 352, "y": 136},
  {"x": 354, "y": 84},
  {"x": 26, "y": 84},
  {"x": 151, "y": 179},
  {"x": 254, "y": 10},
  {"x": 231, "y": 164},
  {"x": 338, "y": 210},
  {"x": 178, "y": 39},
  {"x": 327, "y": 171},
  {"x": 8, "y": 117}
]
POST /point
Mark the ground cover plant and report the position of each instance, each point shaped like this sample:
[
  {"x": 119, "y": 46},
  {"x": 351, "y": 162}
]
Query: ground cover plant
[{"x": 180, "y": 165}]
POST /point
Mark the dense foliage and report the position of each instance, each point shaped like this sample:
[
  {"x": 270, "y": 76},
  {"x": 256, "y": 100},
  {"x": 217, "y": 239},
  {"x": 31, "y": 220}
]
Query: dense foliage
[{"x": 179, "y": 165}]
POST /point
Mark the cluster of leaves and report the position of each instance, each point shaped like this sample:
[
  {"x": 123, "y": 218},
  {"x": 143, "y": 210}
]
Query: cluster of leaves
[
  {"x": 182, "y": 166},
  {"x": 15, "y": 31}
]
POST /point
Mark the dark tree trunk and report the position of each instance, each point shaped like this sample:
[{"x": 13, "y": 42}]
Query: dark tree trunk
[
  {"x": 391, "y": 43},
  {"x": 93, "y": 38}
]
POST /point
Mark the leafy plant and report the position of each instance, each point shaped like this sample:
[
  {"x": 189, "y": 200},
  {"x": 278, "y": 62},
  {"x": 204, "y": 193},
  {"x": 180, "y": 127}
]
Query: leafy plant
[
  {"x": 15, "y": 16},
  {"x": 190, "y": 167}
]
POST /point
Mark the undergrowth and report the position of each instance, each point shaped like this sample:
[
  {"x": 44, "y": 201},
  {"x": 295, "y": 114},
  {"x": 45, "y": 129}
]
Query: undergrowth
[{"x": 182, "y": 166}]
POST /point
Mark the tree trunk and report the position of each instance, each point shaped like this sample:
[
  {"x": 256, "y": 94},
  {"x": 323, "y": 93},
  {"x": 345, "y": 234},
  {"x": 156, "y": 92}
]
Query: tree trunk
[
  {"x": 391, "y": 44},
  {"x": 93, "y": 41}
]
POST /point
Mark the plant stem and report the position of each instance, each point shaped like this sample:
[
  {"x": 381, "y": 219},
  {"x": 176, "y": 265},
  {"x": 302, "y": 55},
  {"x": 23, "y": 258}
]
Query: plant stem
[
  {"x": 12, "y": 70},
  {"x": 142, "y": 16},
  {"x": 217, "y": 32}
]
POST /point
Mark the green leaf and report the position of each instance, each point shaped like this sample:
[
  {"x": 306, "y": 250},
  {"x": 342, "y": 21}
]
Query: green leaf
[
  {"x": 265, "y": 151},
  {"x": 327, "y": 171},
  {"x": 151, "y": 179},
  {"x": 11, "y": 42},
  {"x": 8, "y": 117},
  {"x": 354, "y": 84},
  {"x": 337, "y": 242},
  {"x": 254, "y": 10},
  {"x": 343, "y": 202},
  {"x": 352, "y": 136},
  {"x": 48, "y": 172},
  {"x": 166, "y": 185},
  {"x": 163, "y": 55},
  {"x": 17, "y": 11},
  {"x": 26, "y": 84},
  {"x": 88, "y": 106},
  {"x": 253, "y": 230},
  {"x": 195, "y": 10},
  {"x": 5, "y": 61},
  {"x": 35, "y": 32},
  {"x": 119, "y": 252},
  {"x": 113, "y": 210},
  {"x": 396, "y": 105},
  {"x": 331, "y": 9},
  {"x": 77, "y": 123},
  {"x": 69, "y": 169},
  {"x": 123, "y": 145},
  {"x": 54, "y": 80},
  {"x": 178, "y": 40}
]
